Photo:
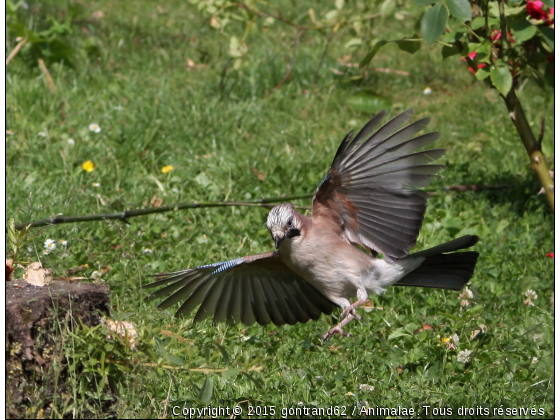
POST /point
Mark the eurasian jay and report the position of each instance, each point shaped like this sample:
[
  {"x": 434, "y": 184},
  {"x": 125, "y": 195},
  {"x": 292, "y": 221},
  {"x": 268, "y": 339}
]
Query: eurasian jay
[{"x": 368, "y": 198}]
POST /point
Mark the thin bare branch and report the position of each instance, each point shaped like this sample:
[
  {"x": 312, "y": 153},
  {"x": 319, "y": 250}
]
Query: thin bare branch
[
  {"x": 290, "y": 63},
  {"x": 475, "y": 187},
  {"x": 16, "y": 50},
  {"x": 323, "y": 56},
  {"x": 125, "y": 215},
  {"x": 261, "y": 202},
  {"x": 50, "y": 81}
]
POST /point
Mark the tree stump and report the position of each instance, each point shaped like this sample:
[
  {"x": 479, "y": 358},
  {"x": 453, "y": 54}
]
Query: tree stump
[{"x": 36, "y": 319}]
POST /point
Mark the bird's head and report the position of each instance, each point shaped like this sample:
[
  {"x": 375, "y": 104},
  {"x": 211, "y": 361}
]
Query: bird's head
[{"x": 284, "y": 222}]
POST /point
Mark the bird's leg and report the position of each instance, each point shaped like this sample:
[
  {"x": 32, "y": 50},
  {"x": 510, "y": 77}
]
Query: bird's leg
[
  {"x": 338, "y": 329},
  {"x": 351, "y": 309}
]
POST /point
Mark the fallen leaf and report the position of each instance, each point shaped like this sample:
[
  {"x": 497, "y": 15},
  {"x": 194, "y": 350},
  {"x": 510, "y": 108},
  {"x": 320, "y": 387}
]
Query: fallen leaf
[
  {"x": 258, "y": 174},
  {"x": 124, "y": 329},
  {"x": 37, "y": 275},
  {"x": 178, "y": 337},
  {"x": 82, "y": 267},
  {"x": 424, "y": 327},
  {"x": 70, "y": 279},
  {"x": 344, "y": 59},
  {"x": 474, "y": 334},
  {"x": 9, "y": 269},
  {"x": 157, "y": 201},
  {"x": 98, "y": 14}
]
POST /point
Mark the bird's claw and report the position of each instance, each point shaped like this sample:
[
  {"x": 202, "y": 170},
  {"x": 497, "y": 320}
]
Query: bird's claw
[
  {"x": 335, "y": 330},
  {"x": 350, "y": 312}
]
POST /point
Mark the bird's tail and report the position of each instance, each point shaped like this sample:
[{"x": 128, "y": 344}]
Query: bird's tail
[{"x": 441, "y": 270}]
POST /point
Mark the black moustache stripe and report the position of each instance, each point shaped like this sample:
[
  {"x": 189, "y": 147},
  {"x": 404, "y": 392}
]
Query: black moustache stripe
[{"x": 293, "y": 233}]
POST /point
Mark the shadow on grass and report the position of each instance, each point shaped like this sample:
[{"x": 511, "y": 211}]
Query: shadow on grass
[{"x": 521, "y": 195}]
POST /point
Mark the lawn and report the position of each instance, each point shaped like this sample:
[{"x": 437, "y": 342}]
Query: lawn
[{"x": 163, "y": 87}]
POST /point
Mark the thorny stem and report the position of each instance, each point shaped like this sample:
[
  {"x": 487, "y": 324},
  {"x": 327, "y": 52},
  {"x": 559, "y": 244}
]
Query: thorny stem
[
  {"x": 533, "y": 147},
  {"x": 517, "y": 115}
]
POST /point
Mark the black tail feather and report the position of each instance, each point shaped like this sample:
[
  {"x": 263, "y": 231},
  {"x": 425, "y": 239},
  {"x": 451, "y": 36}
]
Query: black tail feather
[{"x": 444, "y": 271}]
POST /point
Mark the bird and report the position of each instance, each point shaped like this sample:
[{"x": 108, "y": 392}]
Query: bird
[{"x": 366, "y": 215}]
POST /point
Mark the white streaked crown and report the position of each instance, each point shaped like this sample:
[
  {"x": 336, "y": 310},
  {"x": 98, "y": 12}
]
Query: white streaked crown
[{"x": 279, "y": 216}]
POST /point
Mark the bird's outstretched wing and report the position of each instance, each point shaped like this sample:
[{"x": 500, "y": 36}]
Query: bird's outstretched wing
[
  {"x": 369, "y": 189},
  {"x": 256, "y": 288}
]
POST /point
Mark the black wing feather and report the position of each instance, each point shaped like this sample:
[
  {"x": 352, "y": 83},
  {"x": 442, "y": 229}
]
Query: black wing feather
[{"x": 257, "y": 288}]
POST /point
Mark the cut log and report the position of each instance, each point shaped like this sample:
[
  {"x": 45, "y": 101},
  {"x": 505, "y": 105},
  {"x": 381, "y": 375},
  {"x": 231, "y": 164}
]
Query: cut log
[{"x": 36, "y": 320}]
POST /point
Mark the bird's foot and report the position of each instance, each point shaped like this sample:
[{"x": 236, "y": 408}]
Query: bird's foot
[
  {"x": 338, "y": 329},
  {"x": 351, "y": 310},
  {"x": 335, "y": 330}
]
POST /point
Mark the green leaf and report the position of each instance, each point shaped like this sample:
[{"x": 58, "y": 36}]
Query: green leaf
[
  {"x": 224, "y": 353},
  {"x": 482, "y": 73},
  {"x": 203, "y": 180},
  {"x": 353, "y": 42},
  {"x": 331, "y": 15},
  {"x": 339, "y": 4},
  {"x": 451, "y": 37},
  {"x": 237, "y": 48},
  {"x": 502, "y": 225},
  {"x": 482, "y": 50},
  {"x": 409, "y": 45},
  {"x": 423, "y": 2},
  {"x": 368, "y": 102},
  {"x": 501, "y": 79},
  {"x": 461, "y": 9},
  {"x": 449, "y": 51},
  {"x": 398, "y": 333},
  {"x": 175, "y": 360},
  {"x": 433, "y": 23},
  {"x": 478, "y": 23},
  {"x": 388, "y": 7},
  {"x": 12, "y": 238},
  {"x": 205, "y": 394},
  {"x": 522, "y": 30},
  {"x": 257, "y": 383},
  {"x": 474, "y": 310},
  {"x": 450, "y": 316},
  {"x": 549, "y": 3},
  {"x": 548, "y": 35},
  {"x": 366, "y": 60}
]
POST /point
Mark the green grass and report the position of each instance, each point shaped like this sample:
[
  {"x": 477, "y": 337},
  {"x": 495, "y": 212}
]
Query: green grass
[{"x": 154, "y": 110}]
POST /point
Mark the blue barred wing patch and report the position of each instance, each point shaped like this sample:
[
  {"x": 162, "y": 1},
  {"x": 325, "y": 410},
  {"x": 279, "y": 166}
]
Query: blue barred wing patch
[{"x": 223, "y": 265}]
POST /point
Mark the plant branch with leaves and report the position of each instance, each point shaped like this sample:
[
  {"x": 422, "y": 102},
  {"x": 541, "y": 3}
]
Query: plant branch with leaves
[{"x": 502, "y": 43}]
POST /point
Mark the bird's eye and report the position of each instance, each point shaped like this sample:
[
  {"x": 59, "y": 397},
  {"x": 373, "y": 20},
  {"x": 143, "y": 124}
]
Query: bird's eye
[{"x": 290, "y": 222}]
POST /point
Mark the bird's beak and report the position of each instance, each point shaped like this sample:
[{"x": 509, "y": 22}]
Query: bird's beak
[{"x": 278, "y": 238}]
